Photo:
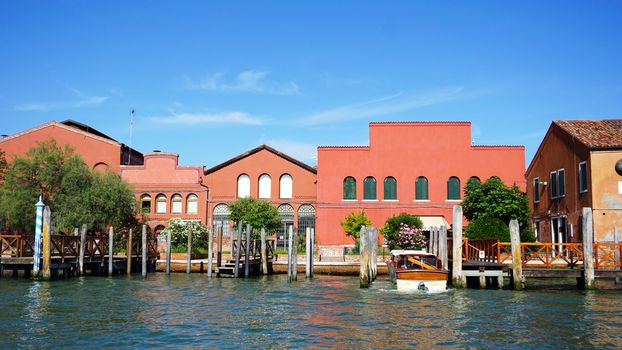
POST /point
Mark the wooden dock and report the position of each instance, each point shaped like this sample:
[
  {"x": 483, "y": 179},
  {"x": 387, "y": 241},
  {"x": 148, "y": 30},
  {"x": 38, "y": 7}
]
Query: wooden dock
[{"x": 16, "y": 255}]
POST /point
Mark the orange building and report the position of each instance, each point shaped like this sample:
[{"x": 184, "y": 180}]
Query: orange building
[
  {"x": 166, "y": 190},
  {"x": 266, "y": 174},
  {"x": 415, "y": 167},
  {"x": 98, "y": 150},
  {"x": 578, "y": 165}
]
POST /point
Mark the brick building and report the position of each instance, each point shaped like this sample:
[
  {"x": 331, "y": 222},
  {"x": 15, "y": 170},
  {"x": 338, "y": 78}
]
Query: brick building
[
  {"x": 415, "y": 167},
  {"x": 575, "y": 167}
]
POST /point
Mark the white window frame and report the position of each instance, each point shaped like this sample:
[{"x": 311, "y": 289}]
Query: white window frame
[
  {"x": 244, "y": 187},
  {"x": 286, "y": 188},
  {"x": 559, "y": 195},
  {"x": 176, "y": 204},
  {"x": 192, "y": 204},
  {"x": 164, "y": 204},
  {"x": 265, "y": 186}
]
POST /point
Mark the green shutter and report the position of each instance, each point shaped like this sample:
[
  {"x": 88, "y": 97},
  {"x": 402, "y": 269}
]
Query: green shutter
[
  {"x": 582, "y": 177},
  {"x": 453, "y": 188},
  {"x": 369, "y": 188},
  {"x": 554, "y": 185},
  {"x": 390, "y": 188},
  {"x": 536, "y": 190},
  {"x": 561, "y": 183},
  {"x": 421, "y": 188},
  {"x": 349, "y": 188}
]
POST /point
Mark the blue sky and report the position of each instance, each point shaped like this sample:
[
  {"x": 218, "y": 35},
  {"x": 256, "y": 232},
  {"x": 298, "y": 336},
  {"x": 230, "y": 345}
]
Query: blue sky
[{"x": 210, "y": 80}]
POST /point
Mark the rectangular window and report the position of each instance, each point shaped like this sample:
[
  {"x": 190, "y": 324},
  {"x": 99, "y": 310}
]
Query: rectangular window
[
  {"x": 536, "y": 190},
  {"x": 582, "y": 177},
  {"x": 536, "y": 228},
  {"x": 553, "y": 184},
  {"x": 561, "y": 183},
  {"x": 161, "y": 207}
]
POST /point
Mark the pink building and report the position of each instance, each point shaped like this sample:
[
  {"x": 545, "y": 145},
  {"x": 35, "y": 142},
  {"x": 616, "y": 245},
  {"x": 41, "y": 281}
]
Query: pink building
[
  {"x": 166, "y": 190},
  {"x": 415, "y": 167}
]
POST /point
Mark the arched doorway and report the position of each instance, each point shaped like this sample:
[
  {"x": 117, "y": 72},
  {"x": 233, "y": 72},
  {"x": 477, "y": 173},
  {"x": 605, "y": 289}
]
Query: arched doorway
[
  {"x": 306, "y": 218},
  {"x": 286, "y": 212},
  {"x": 222, "y": 219}
]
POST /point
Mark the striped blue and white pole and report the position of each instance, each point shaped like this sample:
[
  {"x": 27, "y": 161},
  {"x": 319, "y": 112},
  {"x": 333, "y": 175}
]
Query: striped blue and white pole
[{"x": 38, "y": 237}]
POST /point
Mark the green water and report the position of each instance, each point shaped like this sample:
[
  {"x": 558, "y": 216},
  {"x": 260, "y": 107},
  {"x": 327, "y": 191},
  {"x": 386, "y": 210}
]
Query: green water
[{"x": 184, "y": 311}]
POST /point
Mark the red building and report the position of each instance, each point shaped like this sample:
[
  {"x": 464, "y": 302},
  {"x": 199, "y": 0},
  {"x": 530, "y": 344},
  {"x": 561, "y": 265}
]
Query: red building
[
  {"x": 98, "y": 150},
  {"x": 166, "y": 190},
  {"x": 414, "y": 167},
  {"x": 266, "y": 174},
  {"x": 578, "y": 165}
]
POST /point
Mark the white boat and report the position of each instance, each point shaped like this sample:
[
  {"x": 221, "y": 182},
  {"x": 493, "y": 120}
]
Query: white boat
[{"x": 417, "y": 270}]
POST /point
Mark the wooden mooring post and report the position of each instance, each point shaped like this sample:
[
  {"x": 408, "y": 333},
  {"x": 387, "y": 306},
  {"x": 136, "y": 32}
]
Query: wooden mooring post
[
  {"x": 238, "y": 250},
  {"x": 219, "y": 254},
  {"x": 46, "y": 246},
  {"x": 82, "y": 250},
  {"x": 308, "y": 253},
  {"x": 128, "y": 252},
  {"x": 264, "y": 253},
  {"x": 110, "y": 250},
  {"x": 289, "y": 254},
  {"x": 364, "y": 253},
  {"x": 518, "y": 280},
  {"x": 144, "y": 251},
  {"x": 458, "y": 280},
  {"x": 210, "y": 253},
  {"x": 189, "y": 252},
  {"x": 294, "y": 254},
  {"x": 168, "y": 251},
  {"x": 247, "y": 251},
  {"x": 312, "y": 249},
  {"x": 588, "y": 249},
  {"x": 442, "y": 247}
]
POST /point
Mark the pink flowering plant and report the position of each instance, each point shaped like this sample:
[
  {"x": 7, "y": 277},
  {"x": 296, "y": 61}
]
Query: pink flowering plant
[{"x": 410, "y": 238}]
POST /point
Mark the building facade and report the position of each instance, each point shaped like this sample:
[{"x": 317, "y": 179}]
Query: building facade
[
  {"x": 575, "y": 168},
  {"x": 266, "y": 174},
  {"x": 98, "y": 150},
  {"x": 419, "y": 168},
  {"x": 166, "y": 190}
]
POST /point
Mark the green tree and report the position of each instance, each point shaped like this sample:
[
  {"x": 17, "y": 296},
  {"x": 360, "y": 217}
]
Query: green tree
[
  {"x": 3, "y": 166},
  {"x": 493, "y": 199},
  {"x": 488, "y": 227},
  {"x": 257, "y": 213},
  {"x": 76, "y": 194},
  {"x": 392, "y": 226},
  {"x": 353, "y": 222}
]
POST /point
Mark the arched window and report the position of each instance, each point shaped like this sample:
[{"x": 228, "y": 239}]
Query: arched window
[
  {"x": 453, "y": 188},
  {"x": 244, "y": 186},
  {"x": 176, "y": 204},
  {"x": 306, "y": 218},
  {"x": 349, "y": 188},
  {"x": 421, "y": 189},
  {"x": 145, "y": 204},
  {"x": 369, "y": 188},
  {"x": 221, "y": 218},
  {"x": 265, "y": 186},
  {"x": 475, "y": 179},
  {"x": 192, "y": 204},
  {"x": 390, "y": 188},
  {"x": 285, "y": 186},
  {"x": 160, "y": 204}
]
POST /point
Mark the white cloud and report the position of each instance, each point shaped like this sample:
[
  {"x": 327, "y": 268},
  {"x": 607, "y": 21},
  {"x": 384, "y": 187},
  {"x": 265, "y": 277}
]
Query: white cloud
[
  {"x": 239, "y": 118},
  {"x": 381, "y": 106},
  {"x": 304, "y": 152},
  {"x": 247, "y": 81},
  {"x": 84, "y": 100}
]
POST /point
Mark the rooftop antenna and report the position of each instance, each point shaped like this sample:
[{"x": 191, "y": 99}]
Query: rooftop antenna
[{"x": 129, "y": 151}]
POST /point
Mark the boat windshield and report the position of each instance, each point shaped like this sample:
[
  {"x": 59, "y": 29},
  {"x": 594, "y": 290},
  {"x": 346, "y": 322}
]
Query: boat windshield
[{"x": 426, "y": 262}]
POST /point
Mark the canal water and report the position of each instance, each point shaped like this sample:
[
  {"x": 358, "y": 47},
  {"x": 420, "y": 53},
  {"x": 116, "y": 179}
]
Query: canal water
[{"x": 190, "y": 311}]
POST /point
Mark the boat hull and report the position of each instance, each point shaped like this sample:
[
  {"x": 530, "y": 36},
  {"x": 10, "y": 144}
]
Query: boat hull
[{"x": 427, "y": 281}]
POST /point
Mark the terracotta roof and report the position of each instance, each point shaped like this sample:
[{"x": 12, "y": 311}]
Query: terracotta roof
[
  {"x": 595, "y": 134},
  {"x": 255, "y": 150}
]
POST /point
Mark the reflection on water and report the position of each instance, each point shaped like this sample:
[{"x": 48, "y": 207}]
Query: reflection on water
[{"x": 184, "y": 311}]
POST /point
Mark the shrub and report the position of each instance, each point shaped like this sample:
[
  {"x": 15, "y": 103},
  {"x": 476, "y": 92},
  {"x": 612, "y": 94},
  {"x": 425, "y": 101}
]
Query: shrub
[
  {"x": 488, "y": 227},
  {"x": 179, "y": 233},
  {"x": 410, "y": 238},
  {"x": 353, "y": 222},
  {"x": 392, "y": 227}
]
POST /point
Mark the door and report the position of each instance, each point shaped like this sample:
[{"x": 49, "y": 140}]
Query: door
[{"x": 558, "y": 232}]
